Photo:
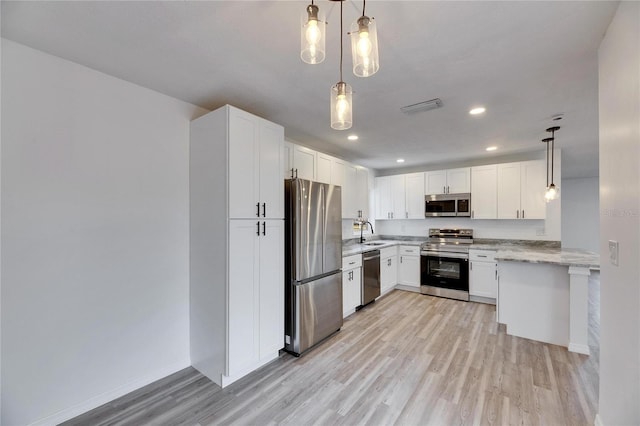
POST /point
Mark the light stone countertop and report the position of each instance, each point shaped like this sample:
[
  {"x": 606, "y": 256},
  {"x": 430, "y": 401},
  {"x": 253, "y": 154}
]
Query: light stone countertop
[
  {"x": 554, "y": 256},
  {"x": 351, "y": 249},
  {"x": 548, "y": 252}
]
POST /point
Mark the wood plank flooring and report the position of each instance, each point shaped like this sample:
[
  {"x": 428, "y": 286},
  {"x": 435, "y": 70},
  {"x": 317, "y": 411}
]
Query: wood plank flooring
[{"x": 408, "y": 359}]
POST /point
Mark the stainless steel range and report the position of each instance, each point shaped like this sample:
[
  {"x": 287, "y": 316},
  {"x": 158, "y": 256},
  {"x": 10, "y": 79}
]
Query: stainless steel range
[{"x": 444, "y": 263}]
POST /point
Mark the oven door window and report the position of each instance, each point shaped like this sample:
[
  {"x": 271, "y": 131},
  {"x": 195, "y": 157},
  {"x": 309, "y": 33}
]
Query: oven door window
[
  {"x": 443, "y": 268},
  {"x": 445, "y": 272}
]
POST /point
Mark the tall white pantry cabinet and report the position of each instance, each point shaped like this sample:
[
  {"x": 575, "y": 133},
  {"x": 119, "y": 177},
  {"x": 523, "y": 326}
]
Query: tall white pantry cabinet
[{"x": 236, "y": 243}]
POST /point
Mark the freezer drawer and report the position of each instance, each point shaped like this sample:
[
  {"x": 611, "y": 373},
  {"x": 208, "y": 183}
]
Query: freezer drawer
[{"x": 315, "y": 312}]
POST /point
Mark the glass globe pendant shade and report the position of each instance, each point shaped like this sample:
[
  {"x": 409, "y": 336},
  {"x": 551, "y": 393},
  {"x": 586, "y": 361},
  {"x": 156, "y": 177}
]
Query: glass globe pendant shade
[
  {"x": 552, "y": 193},
  {"x": 341, "y": 106},
  {"x": 312, "y": 36},
  {"x": 364, "y": 47}
]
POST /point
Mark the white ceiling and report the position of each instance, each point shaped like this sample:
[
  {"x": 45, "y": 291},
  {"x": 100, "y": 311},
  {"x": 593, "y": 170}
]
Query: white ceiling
[{"x": 524, "y": 61}]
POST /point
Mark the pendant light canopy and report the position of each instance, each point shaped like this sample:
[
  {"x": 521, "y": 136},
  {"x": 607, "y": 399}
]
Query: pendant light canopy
[
  {"x": 364, "y": 46},
  {"x": 552, "y": 192},
  {"x": 312, "y": 36},
  {"x": 341, "y": 96}
]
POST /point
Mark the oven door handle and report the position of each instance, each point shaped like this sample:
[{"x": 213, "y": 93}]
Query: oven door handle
[{"x": 444, "y": 255}]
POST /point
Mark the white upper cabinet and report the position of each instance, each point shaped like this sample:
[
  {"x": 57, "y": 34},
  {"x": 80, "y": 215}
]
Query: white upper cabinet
[
  {"x": 304, "y": 162},
  {"x": 484, "y": 192},
  {"x": 509, "y": 191},
  {"x": 414, "y": 193},
  {"x": 452, "y": 181},
  {"x": 398, "y": 210},
  {"x": 383, "y": 202},
  {"x": 255, "y": 166},
  {"x": 436, "y": 182},
  {"x": 521, "y": 190},
  {"x": 533, "y": 180},
  {"x": 323, "y": 168},
  {"x": 458, "y": 180},
  {"x": 362, "y": 191}
]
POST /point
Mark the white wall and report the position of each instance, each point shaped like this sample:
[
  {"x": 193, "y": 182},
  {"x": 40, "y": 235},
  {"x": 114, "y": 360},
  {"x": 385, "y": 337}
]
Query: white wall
[
  {"x": 581, "y": 213},
  {"x": 619, "y": 99},
  {"x": 95, "y": 283}
]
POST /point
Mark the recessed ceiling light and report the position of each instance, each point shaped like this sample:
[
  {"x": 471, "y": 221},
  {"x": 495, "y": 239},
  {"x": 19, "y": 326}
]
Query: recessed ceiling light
[
  {"x": 477, "y": 111},
  {"x": 353, "y": 137},
  {"x": 492, "y": 148},
  {"x": 400, "y": 160}
]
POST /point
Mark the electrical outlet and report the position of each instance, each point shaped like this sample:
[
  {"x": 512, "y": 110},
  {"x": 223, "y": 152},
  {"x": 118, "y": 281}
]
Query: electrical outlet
[
  {"x": 540, "y": 232},
  {"x": 613, "y": 252}
]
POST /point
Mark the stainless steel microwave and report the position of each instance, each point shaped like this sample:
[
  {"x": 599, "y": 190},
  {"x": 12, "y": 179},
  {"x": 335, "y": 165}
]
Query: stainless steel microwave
[{"x": 447, "y": 205}]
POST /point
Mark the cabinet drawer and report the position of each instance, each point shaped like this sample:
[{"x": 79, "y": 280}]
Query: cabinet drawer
[
  {"x": 482, "y": 255},
  {"x": 350, "y": 262},
  {"x": 388, "y": 251},
  {"x": 409, "y": 250}
]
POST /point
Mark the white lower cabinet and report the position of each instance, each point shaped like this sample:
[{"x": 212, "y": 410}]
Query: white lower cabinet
[
  {"x": 351, "y": 283},
  {"x": 409, "y": 267},
  {"x": 256, "y": 293},
  {"x": 388, "y": 269},
  {"x": 483, "y": 274}
]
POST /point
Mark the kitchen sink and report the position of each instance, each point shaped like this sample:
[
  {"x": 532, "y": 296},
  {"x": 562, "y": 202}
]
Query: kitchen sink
[{"x": 374, "y": 244}]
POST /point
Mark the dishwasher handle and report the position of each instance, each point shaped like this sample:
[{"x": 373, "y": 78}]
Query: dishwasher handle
[{"x": 371, "y": 255}]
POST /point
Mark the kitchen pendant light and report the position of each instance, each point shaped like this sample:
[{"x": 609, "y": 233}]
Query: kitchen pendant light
[
  {"x": 341, "y": 96},
  {"x": 364, "y": 45},
  {"x": 312, "y": 36},
  {"x": 552, "y": 192}
]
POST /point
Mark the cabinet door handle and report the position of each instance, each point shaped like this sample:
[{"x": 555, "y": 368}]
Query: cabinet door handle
[
  {"x": 389, "y": 262},
  {"x": 447, "y": 189},
  {"x": 444, "y": 189},
  {"x": 517, "y": 214},
  {"x": 292, "y": 173},
  {"x": 496, "y": 274},
  {"x": 400, "y": 259},
  {"x": 264, "y": 209},
  {"x": 296, "y": 173},
  {"x": 481, "y": 255},
  {"x": 471, "y": 214},
  {"x": 406, "y": 215},
  {"x": 352, "y": 263},
  {"x": 258, "y": 229},
  {"x": 523, "y": 213},
  {"x": 264, "y": 228},
  {"x": 471, "y": 266},
  {"x": 257, "y": 209}
]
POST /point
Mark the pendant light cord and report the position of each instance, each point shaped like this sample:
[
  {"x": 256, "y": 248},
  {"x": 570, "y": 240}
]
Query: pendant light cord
[
  {"x": 341, "y": 1},
  {"x": 364, "y": 4},
  {"x": 547, "y": 164},
  {"x": 553, "y": 140}
]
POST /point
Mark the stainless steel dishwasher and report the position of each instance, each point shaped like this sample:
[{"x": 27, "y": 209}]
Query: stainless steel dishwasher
[{"x": 371, "y": 279}]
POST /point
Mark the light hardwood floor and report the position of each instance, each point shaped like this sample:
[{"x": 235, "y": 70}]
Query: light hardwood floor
[{"x": 408, "y": 359}]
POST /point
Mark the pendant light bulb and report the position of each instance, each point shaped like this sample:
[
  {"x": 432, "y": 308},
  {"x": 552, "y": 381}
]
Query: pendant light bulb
[
  {"x": 552, "y": 193},
  {"x": 341, "y": 111},
  {"x": 364, "y": 47},
  {"x": 312, "y": 38}
]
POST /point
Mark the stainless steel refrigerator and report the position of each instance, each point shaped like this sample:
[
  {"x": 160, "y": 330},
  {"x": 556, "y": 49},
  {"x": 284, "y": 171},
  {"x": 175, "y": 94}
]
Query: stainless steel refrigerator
[{"x": 313, "y": 253}]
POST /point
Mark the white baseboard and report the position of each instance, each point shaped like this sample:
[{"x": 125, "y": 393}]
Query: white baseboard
[
  {"x": 598, "y": 421},
  {"x": 96, "y": 401},
  {"x": 407, "y": 288},
  {"x": 581, "y": 349}
]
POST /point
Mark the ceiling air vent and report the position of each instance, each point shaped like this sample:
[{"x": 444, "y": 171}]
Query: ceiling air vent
[{"x": 422, "y": 106}]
